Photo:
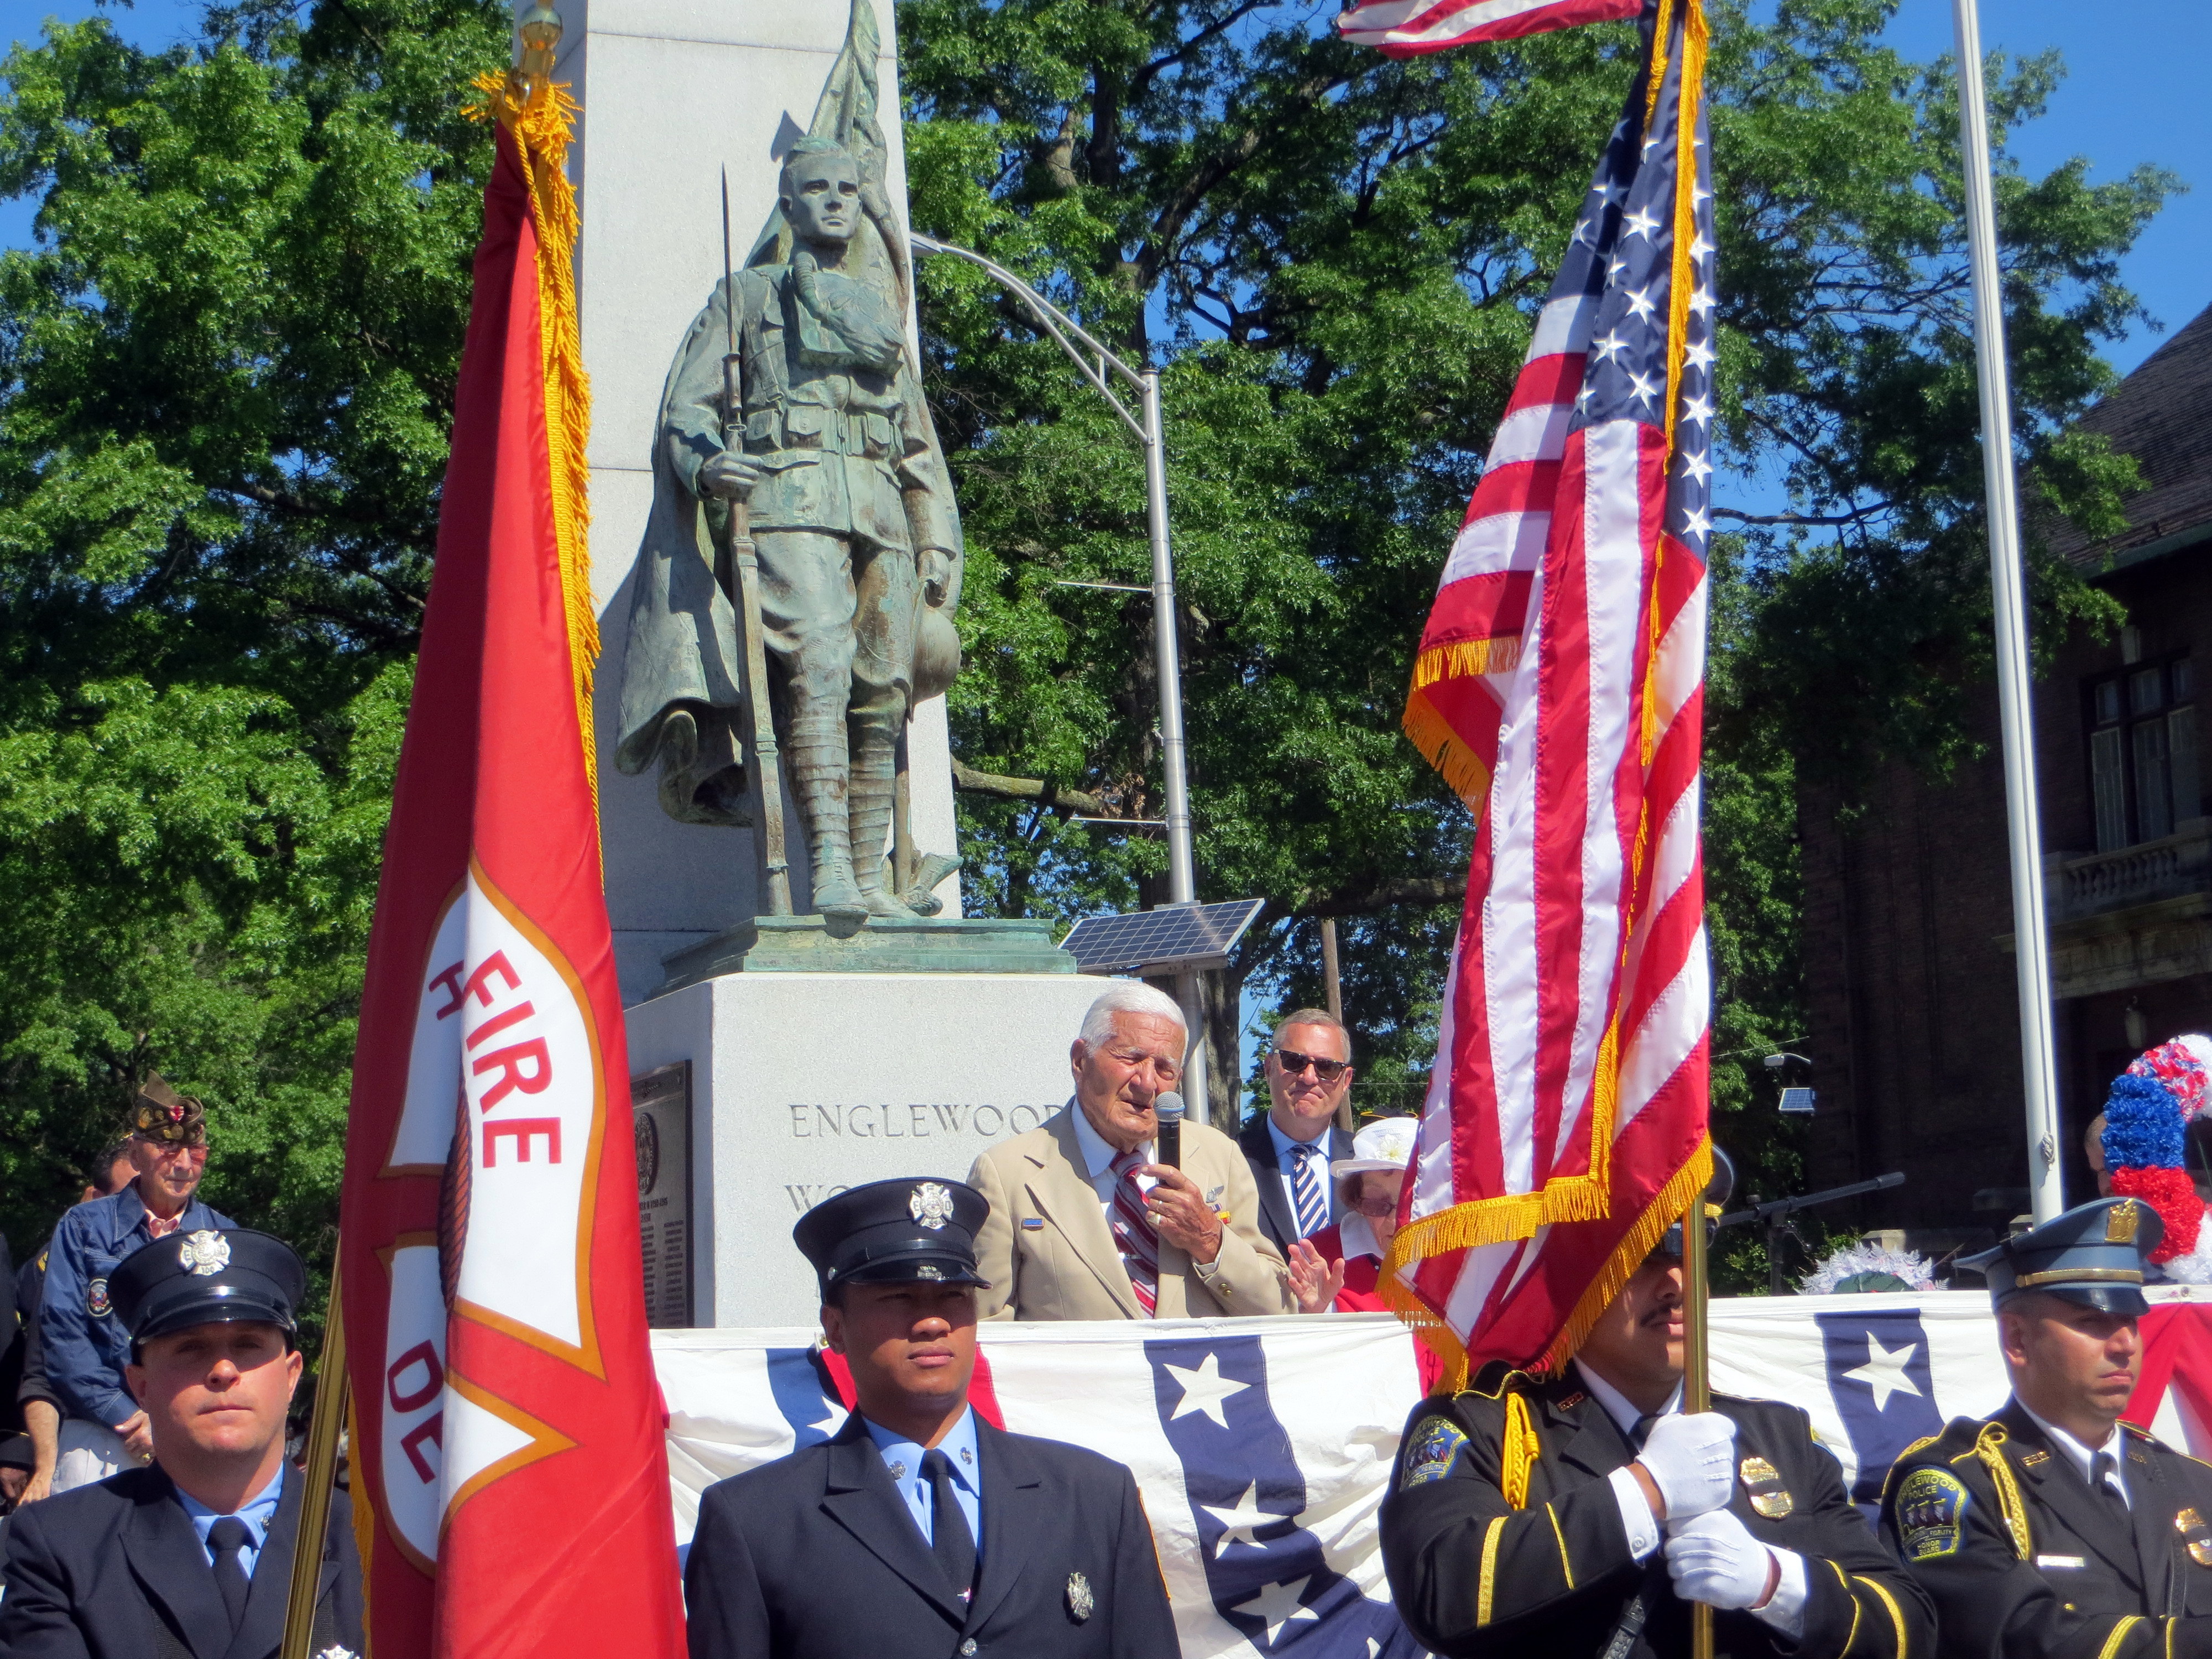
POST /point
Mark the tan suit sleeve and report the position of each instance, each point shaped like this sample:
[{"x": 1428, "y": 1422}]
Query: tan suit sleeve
[
  {"x": 994, "y": 1245},
  {"x": 1248, "y": 1276}
]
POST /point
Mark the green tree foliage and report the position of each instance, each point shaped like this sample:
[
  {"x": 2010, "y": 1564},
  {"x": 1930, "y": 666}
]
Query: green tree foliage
[
  {"x": 1338, "y": 259},
  {"x": 225, "y": 373}
]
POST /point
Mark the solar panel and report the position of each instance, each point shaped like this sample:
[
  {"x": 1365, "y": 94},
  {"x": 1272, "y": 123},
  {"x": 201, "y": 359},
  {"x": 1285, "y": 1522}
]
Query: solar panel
[
  {"x": 1796, "y": 1100},
  {"x": 1183, "y": 938}
]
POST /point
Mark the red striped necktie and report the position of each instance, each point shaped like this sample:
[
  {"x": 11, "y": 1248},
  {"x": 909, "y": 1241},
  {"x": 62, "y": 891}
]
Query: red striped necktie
[{"x": 1135, "y": 1235}]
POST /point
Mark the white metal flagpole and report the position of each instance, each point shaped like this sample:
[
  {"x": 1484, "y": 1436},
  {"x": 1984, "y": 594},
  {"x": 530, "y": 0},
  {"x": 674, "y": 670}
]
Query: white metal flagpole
[{"x": 2031, "y": 950}]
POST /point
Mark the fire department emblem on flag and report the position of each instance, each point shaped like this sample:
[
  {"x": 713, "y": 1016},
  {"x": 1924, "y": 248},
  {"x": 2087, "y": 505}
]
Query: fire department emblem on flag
[
  {"x": 204, "y": 1252},
  {"x": 930, "y": 1205}
]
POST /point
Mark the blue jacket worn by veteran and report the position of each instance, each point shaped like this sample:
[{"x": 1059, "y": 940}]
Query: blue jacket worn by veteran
[{"x": 86, "y": 1347}]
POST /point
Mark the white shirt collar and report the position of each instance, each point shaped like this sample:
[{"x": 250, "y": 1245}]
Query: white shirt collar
[
  {"x": 1358, "y": 1237},
  {"x": 1098, "y": 1156},
  {"x": 1618, "y": 1406},
  {"x": 2080, "y": 1455}
]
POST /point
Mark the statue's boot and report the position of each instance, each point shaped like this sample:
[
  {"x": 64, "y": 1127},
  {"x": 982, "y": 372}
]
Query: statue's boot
[
  {"x": 874, "y": 785},
  {"x": 819, "y": 776}
]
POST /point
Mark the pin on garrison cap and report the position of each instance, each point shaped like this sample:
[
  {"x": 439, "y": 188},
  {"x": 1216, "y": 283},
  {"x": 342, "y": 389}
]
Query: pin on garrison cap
[
  {"x": 211, "y": 1277},
  {"x": 162, "y": 1114},
  {"x": 2092, "y": 1254},
  {"x": 895, "y": 1232}
]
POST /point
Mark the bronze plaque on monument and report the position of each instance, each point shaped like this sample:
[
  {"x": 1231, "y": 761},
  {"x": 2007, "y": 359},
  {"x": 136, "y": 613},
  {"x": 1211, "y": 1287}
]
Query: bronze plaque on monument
[{"x": 661, "y": 1107}]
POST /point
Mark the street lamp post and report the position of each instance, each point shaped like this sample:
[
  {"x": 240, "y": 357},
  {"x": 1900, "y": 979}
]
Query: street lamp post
[{"x": 1103, "y": 369}]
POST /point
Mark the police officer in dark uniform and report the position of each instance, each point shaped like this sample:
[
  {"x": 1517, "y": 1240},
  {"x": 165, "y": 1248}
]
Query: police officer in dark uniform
[
  {"x": 919, "y": 1529},
  {"x": 1577, "y": 1515},
  {"x": 190, "y": 1557},
  {"x": 2053, "y": 1530}
]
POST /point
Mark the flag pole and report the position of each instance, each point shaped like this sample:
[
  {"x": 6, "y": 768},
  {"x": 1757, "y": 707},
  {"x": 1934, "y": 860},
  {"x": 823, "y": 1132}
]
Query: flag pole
[
  {"x": 2031, "y": 944},
  {"x": 1697, "y": 1383},
  {"x": 307, "y": 1543}
]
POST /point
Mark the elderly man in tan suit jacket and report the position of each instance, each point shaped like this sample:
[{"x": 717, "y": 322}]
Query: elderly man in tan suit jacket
[{"x": 1085, "y": 1226}]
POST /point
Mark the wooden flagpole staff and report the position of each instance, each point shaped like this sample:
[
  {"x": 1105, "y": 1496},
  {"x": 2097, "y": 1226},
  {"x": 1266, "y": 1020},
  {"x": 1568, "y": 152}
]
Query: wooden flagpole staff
[
  {"x": 322, "y": 1474},
  {"x": 1697, "y": 1385}
]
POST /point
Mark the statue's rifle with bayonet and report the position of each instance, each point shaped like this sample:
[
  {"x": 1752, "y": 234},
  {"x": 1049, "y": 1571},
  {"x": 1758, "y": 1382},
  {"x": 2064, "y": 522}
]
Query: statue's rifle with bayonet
[{"x": 741, "y": 582}]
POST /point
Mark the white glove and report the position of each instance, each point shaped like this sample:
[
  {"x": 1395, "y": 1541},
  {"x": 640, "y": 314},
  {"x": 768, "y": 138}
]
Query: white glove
[
  {"x": 1713, "y": 1558},
  {"x": 1691, "y": 1458}
]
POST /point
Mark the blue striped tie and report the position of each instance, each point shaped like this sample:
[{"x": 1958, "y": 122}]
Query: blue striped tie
[{"x": 1305, "y": 1187}]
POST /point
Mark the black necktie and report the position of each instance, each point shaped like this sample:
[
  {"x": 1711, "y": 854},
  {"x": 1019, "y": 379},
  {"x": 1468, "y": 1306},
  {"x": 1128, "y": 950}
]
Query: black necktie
[
  {"x": 2102, "y": 1470},
  {"x": 950, "y": 1541},
  {"x": 225, "y": 1538},
  {"x": 1642, "y": 1431}
]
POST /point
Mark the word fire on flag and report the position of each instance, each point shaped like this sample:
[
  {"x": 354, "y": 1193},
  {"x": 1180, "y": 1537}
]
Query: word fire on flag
[
  {"x": 1559, "y": 688},
  {"x": 507, "y": 1461}
]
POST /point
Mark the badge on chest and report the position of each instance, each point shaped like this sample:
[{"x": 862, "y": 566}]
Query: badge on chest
[
  {"x": 1762, "y": 1485},
  {"x": 2195, "y": 1533}
]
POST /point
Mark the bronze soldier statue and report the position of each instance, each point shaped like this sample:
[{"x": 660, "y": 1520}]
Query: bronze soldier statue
[{"x": 833, "y": 455}]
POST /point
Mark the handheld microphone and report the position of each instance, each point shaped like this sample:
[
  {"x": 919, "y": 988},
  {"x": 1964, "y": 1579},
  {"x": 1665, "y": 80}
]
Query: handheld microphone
[{"x": 1169, "y": 1108}]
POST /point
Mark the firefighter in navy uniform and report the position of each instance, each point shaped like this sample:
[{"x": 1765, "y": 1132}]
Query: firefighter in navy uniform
[
  {"x": 919, "y": 1529},
  {"x": 1578, "y": 1514},
  {"x": 2053, "y": 1530}
]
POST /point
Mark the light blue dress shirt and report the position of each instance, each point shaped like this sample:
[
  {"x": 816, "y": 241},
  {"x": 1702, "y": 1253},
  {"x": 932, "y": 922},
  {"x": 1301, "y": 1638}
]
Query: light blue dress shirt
[
  {"x": 904, "y": 1459},
  {"x": 256, "y": 1512},
  {"x": 1288, "y": 1165}
]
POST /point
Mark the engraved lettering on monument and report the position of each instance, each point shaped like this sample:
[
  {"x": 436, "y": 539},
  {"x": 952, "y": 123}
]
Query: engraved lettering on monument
[{"x": 803, "y": 518}]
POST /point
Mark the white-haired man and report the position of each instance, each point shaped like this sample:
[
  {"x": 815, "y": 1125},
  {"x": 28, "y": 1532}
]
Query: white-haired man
[{"x": 1084, "y": 1225}]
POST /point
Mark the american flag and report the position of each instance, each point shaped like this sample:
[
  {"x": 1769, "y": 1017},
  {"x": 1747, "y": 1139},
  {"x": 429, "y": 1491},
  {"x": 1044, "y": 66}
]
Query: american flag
[
  {"x": 1560, "y": 688},
  {"x": 1407, "y": 29}
]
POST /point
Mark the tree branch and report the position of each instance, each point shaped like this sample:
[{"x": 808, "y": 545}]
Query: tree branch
[
  {"x": 1380, "y": 895},
  {"x": 1043, "y": 791}
]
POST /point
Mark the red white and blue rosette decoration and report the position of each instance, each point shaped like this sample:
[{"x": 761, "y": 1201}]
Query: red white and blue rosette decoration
[{"x": 2147, "y": 1120}]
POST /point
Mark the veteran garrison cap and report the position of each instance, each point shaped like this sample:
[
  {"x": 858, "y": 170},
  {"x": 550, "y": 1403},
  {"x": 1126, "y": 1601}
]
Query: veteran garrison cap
[
  {"x": 2092, "y": 1254},
  {"x": 162, "y": 1114},
  {"x": 211, "y": 1277},
  {"x": 895, "y": 1232}
]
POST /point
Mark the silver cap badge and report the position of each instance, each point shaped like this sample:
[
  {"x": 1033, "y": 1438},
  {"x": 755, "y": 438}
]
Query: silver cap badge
[
  {"x": 204, "y": 1252},
  {"x": 930, "y": 1205}
]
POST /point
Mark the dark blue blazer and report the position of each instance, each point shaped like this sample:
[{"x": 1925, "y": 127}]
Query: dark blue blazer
[
  {"x": 815, "y": 1556},
  {"x": 1276, "y": 1219},
  {"x": 115, "y": 1571}
]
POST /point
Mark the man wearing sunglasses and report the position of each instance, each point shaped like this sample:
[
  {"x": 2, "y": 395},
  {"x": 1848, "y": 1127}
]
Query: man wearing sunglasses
[
  {"x": 1291, "y": 1150},
  {"x": 85, "y": 1346}
]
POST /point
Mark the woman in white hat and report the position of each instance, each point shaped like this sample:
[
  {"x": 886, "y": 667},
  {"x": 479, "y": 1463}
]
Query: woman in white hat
[{"x": 1338, "y": 1267}]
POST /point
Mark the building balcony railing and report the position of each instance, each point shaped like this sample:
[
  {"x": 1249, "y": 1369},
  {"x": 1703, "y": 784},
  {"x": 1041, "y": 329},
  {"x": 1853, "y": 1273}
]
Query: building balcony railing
[{"x": 2080, "y": 885}]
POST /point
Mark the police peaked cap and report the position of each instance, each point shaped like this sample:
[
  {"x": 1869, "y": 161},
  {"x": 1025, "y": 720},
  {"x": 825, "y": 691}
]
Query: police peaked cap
[
  {"x": 895, "y": 1232},
  {"x": 2092, "y": 1254},
  {"x": 211, "y": 1277}
]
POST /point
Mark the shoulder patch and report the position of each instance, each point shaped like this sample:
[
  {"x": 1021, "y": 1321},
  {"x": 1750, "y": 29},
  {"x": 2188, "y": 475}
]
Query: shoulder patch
[
  {"x": 1931, "y": 1513},
  {"x": 1431, "y": 1450}
]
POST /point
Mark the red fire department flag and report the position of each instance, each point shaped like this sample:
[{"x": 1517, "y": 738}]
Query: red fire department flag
[{"x": 509, "y": 1481}]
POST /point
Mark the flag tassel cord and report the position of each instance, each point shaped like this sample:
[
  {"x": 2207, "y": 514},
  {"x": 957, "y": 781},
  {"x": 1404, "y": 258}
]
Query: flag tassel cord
[{"x": 539, "y": 117}]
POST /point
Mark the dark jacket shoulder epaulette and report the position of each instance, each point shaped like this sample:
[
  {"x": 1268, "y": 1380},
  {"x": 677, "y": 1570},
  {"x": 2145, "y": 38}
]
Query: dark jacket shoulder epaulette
[
  {"x": 1498, "y": 1378},
  {"x": 1956, "y": 1439}
]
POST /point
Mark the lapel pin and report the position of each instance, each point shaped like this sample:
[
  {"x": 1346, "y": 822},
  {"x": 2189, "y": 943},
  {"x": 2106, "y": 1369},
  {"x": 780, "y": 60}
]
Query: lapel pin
[{"x": 1079, "y": 1602}]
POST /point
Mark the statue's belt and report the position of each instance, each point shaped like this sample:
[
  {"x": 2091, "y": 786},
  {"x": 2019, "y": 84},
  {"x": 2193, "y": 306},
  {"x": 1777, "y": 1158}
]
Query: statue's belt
[{"x": 837, "y": 431}]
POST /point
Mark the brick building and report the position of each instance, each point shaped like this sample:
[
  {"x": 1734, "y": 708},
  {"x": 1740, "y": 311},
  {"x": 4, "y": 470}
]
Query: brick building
[{"x": 1914, "y": 1024}]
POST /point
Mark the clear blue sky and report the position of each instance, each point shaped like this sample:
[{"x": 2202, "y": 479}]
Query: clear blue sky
[{"x": 2133, "y": 94}]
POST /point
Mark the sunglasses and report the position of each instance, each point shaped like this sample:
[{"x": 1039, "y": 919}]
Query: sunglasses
[{"x": 1326, "y": 1069}]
